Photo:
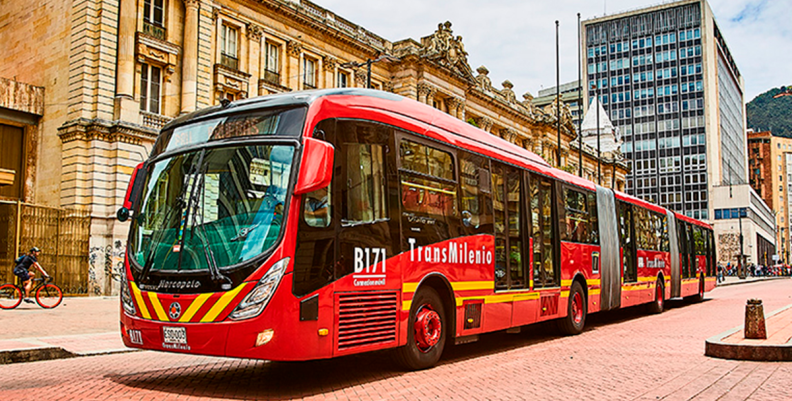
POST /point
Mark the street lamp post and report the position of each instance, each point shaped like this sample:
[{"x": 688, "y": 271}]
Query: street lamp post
[{"x": 368, "y": 63}]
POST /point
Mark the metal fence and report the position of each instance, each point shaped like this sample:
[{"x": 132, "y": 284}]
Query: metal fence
[{"x": 62, "y": 235}]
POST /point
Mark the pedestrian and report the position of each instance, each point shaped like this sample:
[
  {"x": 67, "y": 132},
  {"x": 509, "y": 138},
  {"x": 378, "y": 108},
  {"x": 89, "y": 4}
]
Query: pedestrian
[
  {"x": 22, "y": 270},
  {"x": 720, "y": 273}
]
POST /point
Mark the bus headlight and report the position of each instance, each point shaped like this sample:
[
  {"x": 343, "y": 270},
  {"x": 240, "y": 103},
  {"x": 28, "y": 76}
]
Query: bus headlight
[
  {"x": 255, "y": 302},
  {"x": 126, "y": 298}
]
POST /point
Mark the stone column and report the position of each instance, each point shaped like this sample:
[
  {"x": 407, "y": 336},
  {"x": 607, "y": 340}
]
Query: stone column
[
  {"x": 125, "y": 108},
  {"x": 294, "y": 57},
  {"x": 329, "y": 67},
  {"x": 484, "y": 123},
  {"x": 453, "y": 106},
  {"x": 423, "y": 92},
  {"x": 190, "y": 57},
  {"x": 254, "y": 33},
  {"x": 461, "y": 110}
]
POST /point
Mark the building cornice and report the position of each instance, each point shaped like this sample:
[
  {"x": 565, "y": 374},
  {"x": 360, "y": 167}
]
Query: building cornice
[{"x": 107, "y": 131}]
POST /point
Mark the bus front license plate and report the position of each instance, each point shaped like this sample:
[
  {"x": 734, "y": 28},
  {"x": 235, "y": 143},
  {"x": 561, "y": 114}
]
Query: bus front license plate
[{"x": 174, "y": 335}]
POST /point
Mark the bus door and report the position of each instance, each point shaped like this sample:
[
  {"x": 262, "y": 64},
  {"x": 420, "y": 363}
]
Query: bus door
[
  {"x": 627, "y": 242},
  {"x": 511, "y": 260},
  {"x": 368, "y": 231},
  {"x": 545, "y": 250}
]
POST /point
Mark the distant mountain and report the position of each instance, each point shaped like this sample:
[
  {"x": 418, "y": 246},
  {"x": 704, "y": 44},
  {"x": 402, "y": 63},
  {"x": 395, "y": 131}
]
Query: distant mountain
[{"x": 765, "y": 113}]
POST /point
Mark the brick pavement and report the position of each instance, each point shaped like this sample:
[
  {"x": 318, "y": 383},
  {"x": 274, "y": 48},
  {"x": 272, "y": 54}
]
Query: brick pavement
[{"x": 621, "y": 355}]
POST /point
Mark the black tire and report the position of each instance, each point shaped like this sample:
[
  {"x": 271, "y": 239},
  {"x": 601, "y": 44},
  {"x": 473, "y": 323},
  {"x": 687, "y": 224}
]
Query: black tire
[
  {"x": 658, "y": 305},
  {"x": 49, "y": 296},
  {"x": 577, "y": 308},
  {"x": 10, "y": 296},
  {"x": 423, "y": 351}
]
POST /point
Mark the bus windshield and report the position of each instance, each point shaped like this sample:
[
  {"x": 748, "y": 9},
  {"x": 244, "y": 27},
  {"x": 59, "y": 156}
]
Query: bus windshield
[{"x": 210, "y": 209}]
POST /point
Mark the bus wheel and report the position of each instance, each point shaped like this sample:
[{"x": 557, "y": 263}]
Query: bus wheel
[
  {"x": 659, "y": 303},
  {"x": 576, "y": 311},
  {"x": 426, "y": 334}
]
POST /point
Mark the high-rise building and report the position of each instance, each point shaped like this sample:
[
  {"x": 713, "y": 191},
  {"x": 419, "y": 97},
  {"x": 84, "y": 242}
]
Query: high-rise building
[
  {"x": 669, "y": 82},
  {"x": 769, "y": 177}
]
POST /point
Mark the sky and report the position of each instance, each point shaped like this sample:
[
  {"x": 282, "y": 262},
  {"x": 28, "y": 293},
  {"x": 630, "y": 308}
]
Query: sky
[{"x": 515, "y": 39}]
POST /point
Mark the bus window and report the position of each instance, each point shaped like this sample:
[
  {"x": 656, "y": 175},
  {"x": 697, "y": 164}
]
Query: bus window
[
  {"x": 580, "y": 217},
  {"x": 475, "y": 194},
  {"x": 427, "y": 181},
  {"x": 364, "y": 193},
  {"x": 317, "y": 207}
]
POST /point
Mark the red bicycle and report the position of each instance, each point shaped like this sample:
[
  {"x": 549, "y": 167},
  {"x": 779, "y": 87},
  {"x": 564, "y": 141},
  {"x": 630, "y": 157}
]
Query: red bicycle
[{"x": 48, "y": 294}]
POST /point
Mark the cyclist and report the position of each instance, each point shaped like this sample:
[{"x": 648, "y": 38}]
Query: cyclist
[{"x": 22, "y": 270}]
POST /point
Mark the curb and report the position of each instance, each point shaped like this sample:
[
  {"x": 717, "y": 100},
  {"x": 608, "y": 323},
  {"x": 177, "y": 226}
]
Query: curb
[
  {"x": 714, "y": 347},
  {"x": 52, "y": 353},
  {"x": 33, "y": 355},
  {"x": 724, "y": 284}
]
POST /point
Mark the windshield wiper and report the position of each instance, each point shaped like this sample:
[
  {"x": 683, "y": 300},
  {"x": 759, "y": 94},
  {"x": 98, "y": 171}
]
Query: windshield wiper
[
  {"x": 180, "y": 204},
  {"x": 193, "y": 206}
]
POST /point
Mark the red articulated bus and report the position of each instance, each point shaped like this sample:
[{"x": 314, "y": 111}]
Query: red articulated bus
[{"x": 317, "y": 224}]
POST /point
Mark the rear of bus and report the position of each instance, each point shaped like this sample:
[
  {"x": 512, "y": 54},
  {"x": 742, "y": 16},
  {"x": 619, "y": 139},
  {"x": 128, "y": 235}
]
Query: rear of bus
[{"x": 213, "y": 233}]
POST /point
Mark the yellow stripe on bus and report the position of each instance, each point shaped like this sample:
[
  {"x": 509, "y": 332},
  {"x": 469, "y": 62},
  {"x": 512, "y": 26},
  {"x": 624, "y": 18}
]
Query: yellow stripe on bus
[
  {"x": 141, "y": 304},
  {"x": 409, "y": 287},
  {"x": 157, "y": 307},
  {"x": 473, "y": 285},
  {"x": 196, "y": 304},
  {"x": 221, "y": 304}
]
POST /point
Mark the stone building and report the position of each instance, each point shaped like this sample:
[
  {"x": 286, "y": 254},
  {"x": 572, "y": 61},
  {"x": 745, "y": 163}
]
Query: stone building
[{"x": 100, "y": 78}]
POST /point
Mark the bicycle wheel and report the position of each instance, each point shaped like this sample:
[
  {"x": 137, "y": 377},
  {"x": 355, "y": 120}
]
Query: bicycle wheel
[
  {"x": 49, "y": 296},
  {"x": 10, "y": 296}
]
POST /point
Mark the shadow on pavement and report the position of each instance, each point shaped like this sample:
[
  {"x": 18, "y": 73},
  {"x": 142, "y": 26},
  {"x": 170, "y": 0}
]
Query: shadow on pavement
[{"x": 251, "y": 379}]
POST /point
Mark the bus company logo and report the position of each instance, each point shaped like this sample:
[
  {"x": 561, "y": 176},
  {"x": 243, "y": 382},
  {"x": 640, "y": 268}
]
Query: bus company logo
[
  {"x": 369, "y": 266},
  {"x": 655, "y": 263},
  {"x": 174, "y": 310},
  {"x": 172, "y": 285},
  {"x": 450, "y": 253}
]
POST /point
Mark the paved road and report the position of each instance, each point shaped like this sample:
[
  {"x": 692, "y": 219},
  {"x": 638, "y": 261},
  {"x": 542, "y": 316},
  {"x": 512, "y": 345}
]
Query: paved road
[{"x": 622, "y": 355}]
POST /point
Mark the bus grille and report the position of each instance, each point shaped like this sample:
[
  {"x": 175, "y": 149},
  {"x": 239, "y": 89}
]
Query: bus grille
[{"x": 366, "y": 319}]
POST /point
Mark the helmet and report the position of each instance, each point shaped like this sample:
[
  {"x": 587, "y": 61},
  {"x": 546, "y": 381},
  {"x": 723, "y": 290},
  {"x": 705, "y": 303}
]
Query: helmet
[{"x": 35, "y": 249}]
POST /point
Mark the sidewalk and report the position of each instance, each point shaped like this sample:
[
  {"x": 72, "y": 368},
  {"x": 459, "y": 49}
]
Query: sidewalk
[
  {"x": 78, "y": 327},
  {"x": 732, "y": 280},
  {"x": 90, "y": 326},
  {"x": 777, "y": 346}
]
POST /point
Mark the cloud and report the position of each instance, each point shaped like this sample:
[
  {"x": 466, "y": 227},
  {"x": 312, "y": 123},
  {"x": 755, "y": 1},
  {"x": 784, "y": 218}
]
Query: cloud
[{"x": 750, "y": 12}]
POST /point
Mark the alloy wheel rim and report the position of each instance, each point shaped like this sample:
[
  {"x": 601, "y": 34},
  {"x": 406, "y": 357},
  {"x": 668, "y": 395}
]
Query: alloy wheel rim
[
  {"x": 428, "y": 328},
  {"x": 577, "y": 308}
]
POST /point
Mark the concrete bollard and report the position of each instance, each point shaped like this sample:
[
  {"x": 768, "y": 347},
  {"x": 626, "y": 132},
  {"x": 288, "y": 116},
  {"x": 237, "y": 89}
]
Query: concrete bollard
[{"x": 754, "y": 320}]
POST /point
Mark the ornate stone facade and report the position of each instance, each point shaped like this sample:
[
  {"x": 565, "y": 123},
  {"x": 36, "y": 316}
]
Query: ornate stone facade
[{"x": 114, "y": 78}]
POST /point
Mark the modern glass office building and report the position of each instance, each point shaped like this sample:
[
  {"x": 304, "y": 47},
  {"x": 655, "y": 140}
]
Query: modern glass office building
[{"x": 667, "y": 79}]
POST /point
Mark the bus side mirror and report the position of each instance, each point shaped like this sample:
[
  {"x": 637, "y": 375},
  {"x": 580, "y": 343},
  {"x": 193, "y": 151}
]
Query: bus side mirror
[
  {"x": 132, "y": 192},
  {"x": 316, "y": 166}
]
